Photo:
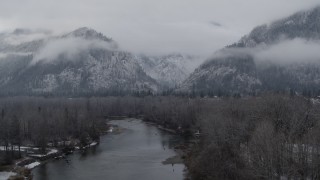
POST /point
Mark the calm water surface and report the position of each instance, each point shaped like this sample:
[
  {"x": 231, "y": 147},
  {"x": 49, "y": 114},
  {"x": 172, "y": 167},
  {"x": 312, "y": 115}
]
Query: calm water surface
[{"x": 135, "y": 154}]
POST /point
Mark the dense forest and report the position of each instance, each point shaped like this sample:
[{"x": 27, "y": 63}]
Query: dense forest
[{"x": 266, "y": 137}]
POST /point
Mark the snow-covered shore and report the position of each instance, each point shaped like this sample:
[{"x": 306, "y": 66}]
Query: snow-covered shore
[
  {"x": 32, "y": 165},
  {"x": 5, "y": 175}
]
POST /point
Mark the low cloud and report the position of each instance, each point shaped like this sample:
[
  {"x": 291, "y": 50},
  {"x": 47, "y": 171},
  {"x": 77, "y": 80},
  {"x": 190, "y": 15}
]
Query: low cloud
[
  {"x": 69, "y": 47},
  {"x": 216, "y": 24},
  {"x": 285, "y": 52},
  {"x": 155, "y": 27},
  {"x": 3, "y": 55},
  {"x": 24, "y": 35},
  {"x": 290, "y": 51},
  {"x": 8, "y": 54}
]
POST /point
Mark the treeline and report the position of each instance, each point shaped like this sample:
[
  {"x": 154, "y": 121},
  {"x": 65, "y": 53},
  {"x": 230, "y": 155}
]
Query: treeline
[
  {"x": 38, "y": 121},
  {"x": 30, "y": 121},
  {"x": 273, "y": 136},
  {"x": 270, "y": 137},
  {"x": 265, "y": 137}
]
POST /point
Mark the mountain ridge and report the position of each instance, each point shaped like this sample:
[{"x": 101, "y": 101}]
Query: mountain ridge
[
  {"x": 82, "y": 61},
  {"x": 300, "y": 76}
]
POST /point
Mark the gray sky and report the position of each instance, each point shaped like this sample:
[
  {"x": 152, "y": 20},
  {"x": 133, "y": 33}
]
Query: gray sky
[{"x": 162, "y": 26}]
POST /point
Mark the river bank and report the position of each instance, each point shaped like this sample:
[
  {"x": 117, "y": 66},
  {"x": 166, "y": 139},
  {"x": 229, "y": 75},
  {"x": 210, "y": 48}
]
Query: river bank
[
  {"x": 22, "y": 168},
  {"x": 136, "y": 152},
  {"x": 32, "y": 157}
]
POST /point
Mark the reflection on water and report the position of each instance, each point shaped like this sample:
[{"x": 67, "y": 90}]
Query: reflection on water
[{"x": 136, "y": 153}]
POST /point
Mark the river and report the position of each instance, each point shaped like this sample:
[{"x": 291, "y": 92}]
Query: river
[{"x": 135, "y": 153}]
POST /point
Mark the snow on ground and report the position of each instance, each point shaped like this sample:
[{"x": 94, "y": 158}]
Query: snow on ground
[
  {"x": 110, "y": 130},
  {"x": 52, "y": 151},
  {"x": 315, "y": 100},
  {"x": 6, "y": 175},
  {"x": 93, "y": 143},
  {"x": 32, "y": 165},
  {"x": 61, "y": 143},
  {"x": 16, "y": 148}
]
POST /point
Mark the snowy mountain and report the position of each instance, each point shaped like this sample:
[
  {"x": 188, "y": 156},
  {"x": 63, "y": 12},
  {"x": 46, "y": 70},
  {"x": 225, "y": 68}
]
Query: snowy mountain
[
  {"x": 305, "y": 25},
  {"x": 281, "y": 56},
  {"x": 81, "y": 62},
  {"x": 231, "y": 73},
  {"x": 88, "y": 34},
  {"x": 169, "y": 70}
]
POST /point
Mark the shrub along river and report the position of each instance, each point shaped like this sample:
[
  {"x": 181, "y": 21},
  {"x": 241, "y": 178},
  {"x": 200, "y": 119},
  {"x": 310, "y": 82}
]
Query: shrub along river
[{"x": 137, "y": 152}]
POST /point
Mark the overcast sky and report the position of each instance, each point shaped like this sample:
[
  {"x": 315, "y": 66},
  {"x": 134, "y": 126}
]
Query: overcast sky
[{"x": 152, "y": 26}]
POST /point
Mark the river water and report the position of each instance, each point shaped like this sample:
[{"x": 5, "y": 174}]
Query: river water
[{"x": 134, "y": 154}]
